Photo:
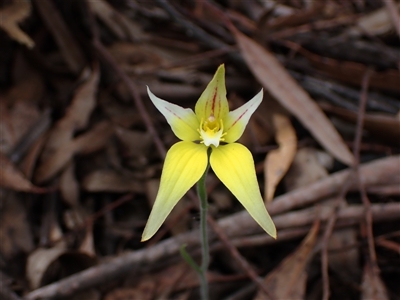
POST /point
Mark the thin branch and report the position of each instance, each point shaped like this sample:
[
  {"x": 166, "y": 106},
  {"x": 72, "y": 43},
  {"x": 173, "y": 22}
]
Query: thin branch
[
  {"x": 144, "y": 259},
  {"x": 357, "y": 143},
  {"x": 239, "y": 258}
]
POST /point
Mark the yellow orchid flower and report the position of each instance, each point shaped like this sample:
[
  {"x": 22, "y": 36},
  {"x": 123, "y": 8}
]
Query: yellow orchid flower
[{"x": 210, "y": 125}]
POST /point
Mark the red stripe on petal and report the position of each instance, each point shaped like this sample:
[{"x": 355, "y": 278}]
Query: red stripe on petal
[{"x": 213, "y": 100}]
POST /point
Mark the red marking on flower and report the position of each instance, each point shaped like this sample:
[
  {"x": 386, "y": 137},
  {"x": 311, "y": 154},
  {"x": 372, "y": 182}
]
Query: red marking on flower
[
  {"x": 173, "y": 113},
  {"x": 233, "y": 124},
  {"x": 213, "y": 101}
]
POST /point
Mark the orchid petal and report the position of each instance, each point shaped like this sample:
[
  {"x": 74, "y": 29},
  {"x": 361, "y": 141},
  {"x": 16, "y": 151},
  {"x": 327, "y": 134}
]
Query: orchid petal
[
  {"x": 234, "y": 166},
  {"x": 237, "y": 120},
  {"x": 184, "y": 164},
  {"x": 183, "y": 121},
  {"x": 212, "y": 101}
]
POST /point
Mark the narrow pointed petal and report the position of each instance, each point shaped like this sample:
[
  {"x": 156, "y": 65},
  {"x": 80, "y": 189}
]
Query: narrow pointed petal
[
  {"x": 212, "y": 101},
  {"x": 184, "y": 164},
  {"x": 183, "y": 121},
  {"x": 234, "y": 166},
  {"x": 237, "y": 120}
]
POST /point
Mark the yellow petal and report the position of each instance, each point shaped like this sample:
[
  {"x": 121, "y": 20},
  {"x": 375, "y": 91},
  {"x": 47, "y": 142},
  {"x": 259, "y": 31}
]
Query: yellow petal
[
  {"x": 237, "y": 120},
  {"x": 212, "y": 101},
  {"x": 184, "y": 164},
  {"x": 183, "y": 121},
  {"x": 234, "y": 166}
]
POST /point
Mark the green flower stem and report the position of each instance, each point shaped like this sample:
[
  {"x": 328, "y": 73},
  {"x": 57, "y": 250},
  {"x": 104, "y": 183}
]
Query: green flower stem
[{"x": 202, "y": 193}]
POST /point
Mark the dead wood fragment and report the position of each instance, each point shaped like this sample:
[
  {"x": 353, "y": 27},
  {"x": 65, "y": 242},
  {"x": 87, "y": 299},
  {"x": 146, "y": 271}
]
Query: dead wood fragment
[{"x": 140, "y": 259}]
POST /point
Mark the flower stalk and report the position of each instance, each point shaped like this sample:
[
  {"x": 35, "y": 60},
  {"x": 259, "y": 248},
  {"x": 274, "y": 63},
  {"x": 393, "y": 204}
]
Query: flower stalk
[{"x": 205, "y": 253}]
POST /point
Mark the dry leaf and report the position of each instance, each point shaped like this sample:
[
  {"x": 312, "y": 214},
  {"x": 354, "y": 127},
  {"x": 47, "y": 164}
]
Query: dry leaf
[
  {"x": 274, "y": 77},
  {"x": 111, "y": 181},
  {"x": 46, "y": 265},
  {"x": 372, "y": 286},
  {"x": 12, "y": 178},
  {"x": 38, "y": 262},
  {"x": 376, "y": 23},
  {"x": 69, "y": 187},
  {"x": 77, "y": 114},
  {"x": 307, "y": 168},
  {"x": 95, "y": 139},
  {"x": 16, "y": 120},
  {"x": 60, "y": 146},
  {"x": 55, "y": 163},
  {"x": 278, "y": 161},
  {"x": 87, "y": 245},
  {"x": 310, "y": 166},
  {"x": 67, "y": 44},
  {"x": 15, "y": 231},
  {"x": 11, "y": 16},
  {"x": 288, "y": 280},
  {"x": 118, "y": 23}
]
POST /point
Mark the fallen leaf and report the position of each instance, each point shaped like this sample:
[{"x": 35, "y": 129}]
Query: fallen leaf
[
  {"x": 288, "y": 280},
  {"x": 47, "y": 265},
  {"x": 307, "y": 168},
  {"x": 15, "y": 231},
  {"x": 111, "y": 181},
  {"x": 375, "y": 23},
  {"x": 60, "y": 146},
  {"x": 118, "y": 23},
  {"x": 12, "y": 178},
  {"x": 67, "y": 44},
  {"x": 10, "y": 16},
  {"x": 278, "y": 161},
  {"x": 69, "y": 186},
  {"x": 87, "y": 245},
  {"x": 274, "y": 77},
  {"x": 86, "y": 143},
  {"x": 94, "y": 139},
  {"x": 38, "y": 262}
]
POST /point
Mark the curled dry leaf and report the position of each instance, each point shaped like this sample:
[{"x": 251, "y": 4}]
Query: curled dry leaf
[
  {"x": 274, "y": 77},
  {"x": 46, "y": 265},
  {"x": 38, "y": 262},
  {"x": 278, "y": 161},
  {"x": 288, "y": 280},
  {"x": 12, "y": 178},
  {"x": 10, "y": 16}
]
